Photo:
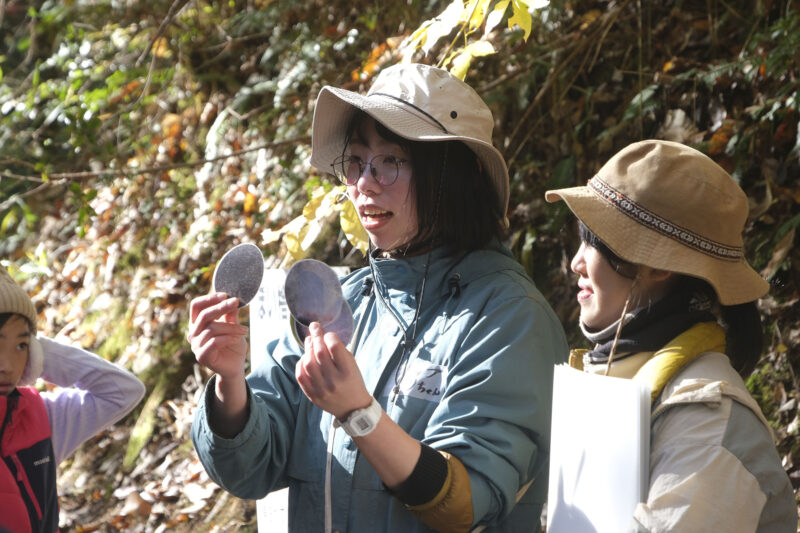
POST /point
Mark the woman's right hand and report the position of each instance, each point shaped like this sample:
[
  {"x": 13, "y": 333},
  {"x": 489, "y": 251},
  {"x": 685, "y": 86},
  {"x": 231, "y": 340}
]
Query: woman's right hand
[{"x": 218, "y": 341}]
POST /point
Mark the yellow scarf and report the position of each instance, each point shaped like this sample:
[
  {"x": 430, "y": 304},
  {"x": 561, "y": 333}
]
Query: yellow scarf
[{"x": 677, "y": 353}]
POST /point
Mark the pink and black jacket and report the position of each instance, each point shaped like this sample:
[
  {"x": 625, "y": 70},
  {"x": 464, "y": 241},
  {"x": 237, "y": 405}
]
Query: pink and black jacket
[
  {"x": 39, "y": 430},
  {"x": 28, "y": 467}
]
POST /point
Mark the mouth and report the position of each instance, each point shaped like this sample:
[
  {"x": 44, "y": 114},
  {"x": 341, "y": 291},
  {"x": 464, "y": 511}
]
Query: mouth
[
  {"x": 373, "y": 216},
  {"x": 585, "y": 292}
]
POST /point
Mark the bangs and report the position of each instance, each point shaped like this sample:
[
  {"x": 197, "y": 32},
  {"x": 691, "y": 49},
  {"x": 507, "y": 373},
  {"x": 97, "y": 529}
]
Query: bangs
[
  {"x": 356, "y": 133},
  {"x": 622, "y": 267}
]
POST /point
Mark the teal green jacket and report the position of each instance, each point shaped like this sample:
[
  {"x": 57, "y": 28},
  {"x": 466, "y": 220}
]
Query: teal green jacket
[{"x": 477, "y": 384}]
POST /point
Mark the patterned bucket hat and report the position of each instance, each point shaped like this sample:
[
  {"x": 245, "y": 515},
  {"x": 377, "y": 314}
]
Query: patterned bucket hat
[{"x": 668, "y": 206}]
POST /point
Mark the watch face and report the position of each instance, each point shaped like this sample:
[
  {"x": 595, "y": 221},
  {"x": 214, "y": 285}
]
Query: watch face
[{"x": 361, "y": 423}]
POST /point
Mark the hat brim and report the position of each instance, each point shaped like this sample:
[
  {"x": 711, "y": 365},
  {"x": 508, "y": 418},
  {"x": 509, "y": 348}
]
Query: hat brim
[
  {"x": 734, "y": 281},
  {"x": 335, "y": 109}
]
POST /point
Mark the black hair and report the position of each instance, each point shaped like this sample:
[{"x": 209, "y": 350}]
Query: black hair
[
  {"x": 457, "y": 204},
  {"x": 744, "y": 332},
  {"x": 744, "y": 335},
  {"x": 624, "y": 268},
  {"x": 5, "y": 317}
]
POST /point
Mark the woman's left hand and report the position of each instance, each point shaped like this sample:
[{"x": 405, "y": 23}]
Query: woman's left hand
[{"x": 329, "y": 376}]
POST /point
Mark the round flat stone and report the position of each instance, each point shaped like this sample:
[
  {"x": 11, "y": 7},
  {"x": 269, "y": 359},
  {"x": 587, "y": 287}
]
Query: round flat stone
[
  {"x": 313, "y": 292},
  {"x": 239, "y": 272},
  {"x": 343, "y": 324}
]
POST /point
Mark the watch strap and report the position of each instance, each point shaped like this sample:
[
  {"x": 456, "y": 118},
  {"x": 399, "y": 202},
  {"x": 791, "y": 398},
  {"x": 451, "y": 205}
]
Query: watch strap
[{"x": 361, "y": 422}]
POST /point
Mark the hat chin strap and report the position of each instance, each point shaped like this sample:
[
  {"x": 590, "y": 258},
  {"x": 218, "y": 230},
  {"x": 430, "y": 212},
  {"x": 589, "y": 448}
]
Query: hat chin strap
[
  {"x": 35, "y": 364},
  {"x": 619, "y": 326}
]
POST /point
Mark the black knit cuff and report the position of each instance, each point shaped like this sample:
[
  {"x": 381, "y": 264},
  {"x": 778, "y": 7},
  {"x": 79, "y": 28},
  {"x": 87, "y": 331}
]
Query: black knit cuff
[{"x": 425, "y": 481}]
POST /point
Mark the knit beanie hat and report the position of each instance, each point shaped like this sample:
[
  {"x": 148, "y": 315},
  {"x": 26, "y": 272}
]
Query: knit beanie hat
[{"x": 13, "y": 299}]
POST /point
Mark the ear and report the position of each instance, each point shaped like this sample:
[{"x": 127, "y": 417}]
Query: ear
[
  {"x": 654, "y": 276},
  {"x": 35, "y": 365},
  {"x": 660, "y": 275}
]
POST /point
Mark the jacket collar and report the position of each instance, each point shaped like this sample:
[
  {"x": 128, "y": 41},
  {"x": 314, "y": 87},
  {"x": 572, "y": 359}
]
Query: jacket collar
[
  {"x": 657, "y": 368},
  {"x": 405, "y": 273}
]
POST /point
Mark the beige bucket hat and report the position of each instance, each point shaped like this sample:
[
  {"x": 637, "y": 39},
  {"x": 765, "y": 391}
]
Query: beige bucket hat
[
  {"x": 417, "y": 102},
  {"x": 668, "y": 206}
]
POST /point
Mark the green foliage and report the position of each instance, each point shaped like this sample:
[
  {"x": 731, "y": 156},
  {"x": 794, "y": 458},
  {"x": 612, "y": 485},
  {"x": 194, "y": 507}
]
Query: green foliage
[
  {"x": 761, "y": 385},
  {"x": 146, "y": 423},
  {"x": 119, "y": 338}
]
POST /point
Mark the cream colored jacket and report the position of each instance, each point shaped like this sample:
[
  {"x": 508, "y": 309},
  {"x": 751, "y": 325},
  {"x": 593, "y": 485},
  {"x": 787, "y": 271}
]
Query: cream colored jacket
[{"x": 713, "y": 463}]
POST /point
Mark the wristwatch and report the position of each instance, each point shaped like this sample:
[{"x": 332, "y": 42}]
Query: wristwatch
[{"x": 361, "y": 422}]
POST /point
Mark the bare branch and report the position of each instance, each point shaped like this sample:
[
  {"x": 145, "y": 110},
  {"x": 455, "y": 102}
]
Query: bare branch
[
  {"x": 151, "y": 170},
  {"x": 173, "y": 10}
]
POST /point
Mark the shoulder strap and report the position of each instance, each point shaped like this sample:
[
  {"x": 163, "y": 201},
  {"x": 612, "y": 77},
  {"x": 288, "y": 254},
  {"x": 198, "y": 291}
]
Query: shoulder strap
[
  {"x": 576, "y": 358},
  {"x": 680, "y": 351}
]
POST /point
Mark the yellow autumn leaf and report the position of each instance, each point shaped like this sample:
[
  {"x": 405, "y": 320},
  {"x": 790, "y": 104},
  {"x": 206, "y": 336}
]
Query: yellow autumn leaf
[
  {"x": 310, "y": 232},
  {"x": 352, "y": 228},
  {"x": 328, "y": 206},
  {"x": 480, "y": 49},
  {"x": 478, "y": 9},
  {"x": 268, "y": 236},
  {"x": 250, "y": 203},
  {"x": 417, "y": 38},
  {"x": 292, "y": 243},
  {"x": 460, "y": 64},
  {"x": 496, "y": 16},
  {"x": 299, "y": 234},
  {"x": 310, "y": 209},
  {"x": 520, "y": 17},
  {"x": 443, "y": 25},
  {"x": 589, "y": 17},
  {"x": 161, "y": 48},
  {"x": 293, "y": 227},
  {"x": 460, "y": 60}
]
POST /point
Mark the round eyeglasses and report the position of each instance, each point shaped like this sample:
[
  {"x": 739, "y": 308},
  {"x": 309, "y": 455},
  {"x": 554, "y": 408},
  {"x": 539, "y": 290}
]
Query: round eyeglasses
[{"x": 383, "y": 168}]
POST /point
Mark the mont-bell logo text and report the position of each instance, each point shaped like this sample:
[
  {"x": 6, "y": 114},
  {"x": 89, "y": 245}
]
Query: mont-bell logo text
[{"x": 43, "y": 460}]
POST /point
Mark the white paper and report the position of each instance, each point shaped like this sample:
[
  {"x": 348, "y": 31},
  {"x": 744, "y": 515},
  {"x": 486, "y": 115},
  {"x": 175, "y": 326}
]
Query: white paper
[
  {"x": 599, "y": 452},
  {"x": 269, "y": 315}
]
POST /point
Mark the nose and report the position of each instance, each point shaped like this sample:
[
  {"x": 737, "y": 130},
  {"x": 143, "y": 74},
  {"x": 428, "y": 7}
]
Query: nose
[
  {"x": 578, "y": 263},
  {"x": 367, "y": 182}
]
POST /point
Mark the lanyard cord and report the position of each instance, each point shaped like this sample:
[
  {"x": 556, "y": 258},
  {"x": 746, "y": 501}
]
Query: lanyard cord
[
  {"x": 332, "y": 429},
  {"x": 409, "y": 343},
  {"x": 406, "y": 343},
  {"x": 619, "y": 326}
]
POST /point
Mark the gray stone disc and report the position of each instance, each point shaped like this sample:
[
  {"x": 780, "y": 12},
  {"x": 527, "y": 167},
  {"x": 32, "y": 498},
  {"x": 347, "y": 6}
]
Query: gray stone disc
[
  {"x": 239, "y": 272},
  {"x": 313, "y": 292},
  {"x": 343, "y": 326}
]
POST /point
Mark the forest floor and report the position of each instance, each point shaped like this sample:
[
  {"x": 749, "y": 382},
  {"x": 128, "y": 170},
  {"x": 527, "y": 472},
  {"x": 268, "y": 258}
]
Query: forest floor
[{"x": 167, "y": 489}]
